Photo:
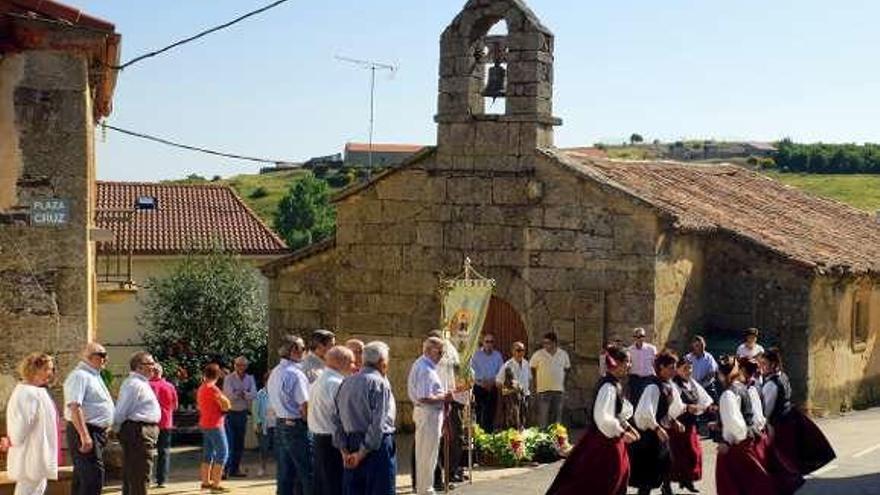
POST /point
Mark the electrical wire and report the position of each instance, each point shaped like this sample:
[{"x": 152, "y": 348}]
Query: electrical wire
[
  {"x": 199, "y": 35},
  {"x": 196, "y": 148}
]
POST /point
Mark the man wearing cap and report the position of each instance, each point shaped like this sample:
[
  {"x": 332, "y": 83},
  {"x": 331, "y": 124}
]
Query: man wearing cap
[
  {"x": 641, "y": 355},
  {"x": 750, "y": 348}
]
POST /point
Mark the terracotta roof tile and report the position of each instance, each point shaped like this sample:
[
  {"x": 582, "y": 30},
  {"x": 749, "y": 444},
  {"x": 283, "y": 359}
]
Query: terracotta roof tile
[
  {"x": 186, "y": 216},
  {"x": 817, "y": 232}
]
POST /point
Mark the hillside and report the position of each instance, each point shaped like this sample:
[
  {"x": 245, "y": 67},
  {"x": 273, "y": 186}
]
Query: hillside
[{"x": 859, "y": 190}]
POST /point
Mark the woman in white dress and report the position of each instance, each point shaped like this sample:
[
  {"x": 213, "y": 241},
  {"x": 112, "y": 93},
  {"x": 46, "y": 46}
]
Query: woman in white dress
[{"x": 31, "y": 422}]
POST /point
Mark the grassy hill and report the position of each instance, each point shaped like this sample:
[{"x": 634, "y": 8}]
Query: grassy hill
[{"x": 859, "y": 190}]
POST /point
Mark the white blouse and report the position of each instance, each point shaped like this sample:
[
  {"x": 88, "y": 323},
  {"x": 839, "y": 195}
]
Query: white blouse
[
  {"x": 646, "y": 411},
  {"x": 769, "y": 392},
  {"x": 603, "y": 412},
  {"x": 704, "y": 400},
  {"x": 734, "y": 428},
  {"x": 758, "y": 418},
  {"x": 31, "y": 423}
]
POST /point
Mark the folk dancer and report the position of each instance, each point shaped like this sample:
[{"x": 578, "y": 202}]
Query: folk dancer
[
  {"x": 800, "y": 444},
  {"x": 741, "y": 465},
  {"x": 599, "y": 463},
  {"x": 656, "y": 414},
  {"x": 687, "y": 454}
]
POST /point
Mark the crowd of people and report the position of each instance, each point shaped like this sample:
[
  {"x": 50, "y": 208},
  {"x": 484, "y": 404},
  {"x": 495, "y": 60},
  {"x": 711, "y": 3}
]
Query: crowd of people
[
  {"x": 646, "y": 415},
  {"x": 327, "y": 413}
]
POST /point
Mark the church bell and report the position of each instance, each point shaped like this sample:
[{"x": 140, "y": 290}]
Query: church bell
[{"x": 496, "y": 82}]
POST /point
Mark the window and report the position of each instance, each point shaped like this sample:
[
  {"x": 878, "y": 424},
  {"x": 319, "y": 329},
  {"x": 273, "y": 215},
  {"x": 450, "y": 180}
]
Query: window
[{"x": 861, "y": 317}]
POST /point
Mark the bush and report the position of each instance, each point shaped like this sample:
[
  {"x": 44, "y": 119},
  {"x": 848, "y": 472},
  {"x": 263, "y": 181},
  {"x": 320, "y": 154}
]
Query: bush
[
  {"x": 258, "y": 193},
  {"x": 305, "y": 215},
  {"x": 339, "y": 180},
  {"x": 512, "y": 447},
  {"x": 210, "y": 308}
]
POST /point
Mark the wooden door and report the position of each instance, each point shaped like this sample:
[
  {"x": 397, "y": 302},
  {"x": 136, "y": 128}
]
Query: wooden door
[{"x": 505, "y": 324}]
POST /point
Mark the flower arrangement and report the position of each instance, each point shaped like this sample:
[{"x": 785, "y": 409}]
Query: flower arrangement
[{"x": 513, "y": 447}]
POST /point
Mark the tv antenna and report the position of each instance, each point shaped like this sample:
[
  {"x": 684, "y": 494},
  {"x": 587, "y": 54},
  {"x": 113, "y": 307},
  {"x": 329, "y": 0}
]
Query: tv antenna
[{"x": 372, "y": 66}]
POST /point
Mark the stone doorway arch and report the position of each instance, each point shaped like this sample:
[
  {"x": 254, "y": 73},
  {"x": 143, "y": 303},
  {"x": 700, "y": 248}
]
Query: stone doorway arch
[{"x": 504, "y": 322}]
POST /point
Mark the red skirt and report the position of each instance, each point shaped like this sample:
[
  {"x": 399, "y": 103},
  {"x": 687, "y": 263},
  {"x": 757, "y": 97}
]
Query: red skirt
[
  {"x": 741, "y": 470},
  {"x": 597, "y": 465},
  {"x": 800, "y": 444},
  {"x": 687, "y": 455}
]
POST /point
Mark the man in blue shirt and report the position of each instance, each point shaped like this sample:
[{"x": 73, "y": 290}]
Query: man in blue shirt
[
  {"x": 704, "y": 365},
  {"x": 289, "y": 397},
  {"x": 364, "y": 430},
  {"x": 486, "y": 362}
]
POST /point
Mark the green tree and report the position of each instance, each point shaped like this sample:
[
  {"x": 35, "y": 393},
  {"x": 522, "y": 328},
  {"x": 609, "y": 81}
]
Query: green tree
[
  {"x": 636, "y": 138},
  {"x": 304, "y": 214},
  {"x": 209, "y": 308}
]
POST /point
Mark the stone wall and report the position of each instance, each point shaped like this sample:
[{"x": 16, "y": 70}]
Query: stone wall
[
  {"x": 845, "y": 371},
  {"x": 678, "y": 286},
  {"x": 746, "y": 287},
  {"x": 46, "y": 289}
]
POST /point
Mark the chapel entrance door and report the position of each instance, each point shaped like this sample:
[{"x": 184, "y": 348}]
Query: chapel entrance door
[{"x": 503, "y": 321}]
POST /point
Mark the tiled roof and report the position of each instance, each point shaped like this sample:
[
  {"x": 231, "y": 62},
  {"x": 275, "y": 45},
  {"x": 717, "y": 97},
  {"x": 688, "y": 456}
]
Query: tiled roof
[
  {"x": 819, "y": 233},
  {"x": 589, "y": 151},
  {"x": 384, "y": 147},
  {"x": 186, "y": 216},
  {"x": 56, "y": 11}
]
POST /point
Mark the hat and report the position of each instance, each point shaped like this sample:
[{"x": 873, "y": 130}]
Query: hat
[
  {"x": 751, "y": 331},
  {"x": 639, "y": 332}
]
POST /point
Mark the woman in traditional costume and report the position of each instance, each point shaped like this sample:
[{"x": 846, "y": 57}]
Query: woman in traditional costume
[
  {"x": 599, "y": 464},
  {"x": 31, "y": 424},
  {"x": 741, "y": 465},
  {"x": 657, "y": 413},
  {"x": 797, "y": 440},
  {"x": 750, "y": 375},
  {"x": 687, "y": 454}
]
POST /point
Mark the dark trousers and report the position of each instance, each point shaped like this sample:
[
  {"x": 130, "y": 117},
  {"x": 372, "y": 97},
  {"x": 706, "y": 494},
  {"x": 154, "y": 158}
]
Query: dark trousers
[
  {"x": 293, "y": 454},
  {"x": 163, "y": 457},
  {"x": 138, "y": 442},
  {"x": 328, "y": 466},
  {"x": 236, "y": 427},
  {"x": 88, "y": 469},
  {"x": 485, "y": 401},
  {"x": 376, "y": 474},
  {"x": 635, "y": 386}
]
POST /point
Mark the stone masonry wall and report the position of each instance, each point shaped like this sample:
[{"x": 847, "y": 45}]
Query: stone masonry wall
[
  {"x": 678, "y": 285},
  {"x": 45, "y": 272}
]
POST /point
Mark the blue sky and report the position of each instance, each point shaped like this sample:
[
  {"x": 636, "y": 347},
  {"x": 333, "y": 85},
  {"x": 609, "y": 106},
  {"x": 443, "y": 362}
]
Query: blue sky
[{"x": 270, "y": 86}]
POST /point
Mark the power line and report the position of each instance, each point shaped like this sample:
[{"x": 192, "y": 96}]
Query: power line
[
  {"x": 195, "y": 148},
  {"x": 199, "y": 35}
]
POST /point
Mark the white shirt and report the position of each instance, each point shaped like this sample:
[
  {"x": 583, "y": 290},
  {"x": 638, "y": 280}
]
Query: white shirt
[
  {"x": 521, "y": 373},
  {"x": 769, "y": 392},
  {"x": 137, "y": 402},
  {"x": 758, "y": 418},
  {"x": 744, "y": 352},
  {"x": 704, "y": 400},
  {"x": 603, "y": 412},
  {"x": 31, "y": 424},
  {"x": 322, "y": 404},
  {"x": 734, "y": 425},
  {"x": 240, "y": 391},
  {"x": 550, "y": 370},
  {"x": 642, "y": 359},
  {"x": 646, "y": 411},
  {"x": 446, "y": 366},
  {"x": 424, "y": 382}
]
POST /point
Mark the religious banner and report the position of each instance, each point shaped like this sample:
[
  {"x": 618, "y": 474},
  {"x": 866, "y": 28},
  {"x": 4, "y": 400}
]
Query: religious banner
[{"x": 465, "y": 304}]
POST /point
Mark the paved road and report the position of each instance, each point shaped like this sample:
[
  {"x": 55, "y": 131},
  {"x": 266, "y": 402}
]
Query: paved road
[{"x": 856, "y": 471}]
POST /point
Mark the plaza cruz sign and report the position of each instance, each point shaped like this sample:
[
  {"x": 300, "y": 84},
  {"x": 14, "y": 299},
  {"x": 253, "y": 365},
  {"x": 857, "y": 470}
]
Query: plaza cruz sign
[{"x": 52, "y": 212}]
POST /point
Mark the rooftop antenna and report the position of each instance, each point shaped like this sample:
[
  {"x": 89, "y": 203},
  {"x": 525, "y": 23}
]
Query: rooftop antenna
[{"x": 373, "y": 66}]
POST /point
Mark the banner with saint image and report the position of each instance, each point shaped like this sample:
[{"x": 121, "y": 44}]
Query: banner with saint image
[{"x": 465, "y": 306}]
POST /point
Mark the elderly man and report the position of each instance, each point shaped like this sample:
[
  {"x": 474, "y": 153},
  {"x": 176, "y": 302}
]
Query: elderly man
[
  {"x": 322, "y": 420},
  {"x": 241, "y": 389},
  {"x": 166, "y": 394},
  {"x": 641, "y": 355},
  {"x": 364, "y": 430},
  {"x": 357, "y": 347},
  {"x": 88, "y": 410},
  {"x": 428, "y": 397},
  {"x": 289, "y": 397},
  {"x": 137, "y": 423},
  {"x": 486, "y": 362},
  {"x": 320, "y": 342},
  {"x": 522, "y": 374}
]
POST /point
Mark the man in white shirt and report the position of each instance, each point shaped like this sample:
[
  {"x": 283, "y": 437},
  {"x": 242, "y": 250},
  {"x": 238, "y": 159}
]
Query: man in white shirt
[
  {"x": 322, "y": 420},
  {"x": 428, "y": 396},
  {"x": 641, "y": 355},
  {"x": 750, "y": 348},
  {"x": 522, "y": 373},
  {"x": 550, "y": 365},
  {"x": 137, "y": 422}
]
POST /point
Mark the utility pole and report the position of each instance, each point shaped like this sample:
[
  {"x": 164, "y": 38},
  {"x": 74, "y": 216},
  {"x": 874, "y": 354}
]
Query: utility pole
[{"x": 373, "y": 67}]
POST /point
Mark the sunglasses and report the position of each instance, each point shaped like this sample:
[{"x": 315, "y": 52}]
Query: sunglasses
[{"x": 102, "y": 355}]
